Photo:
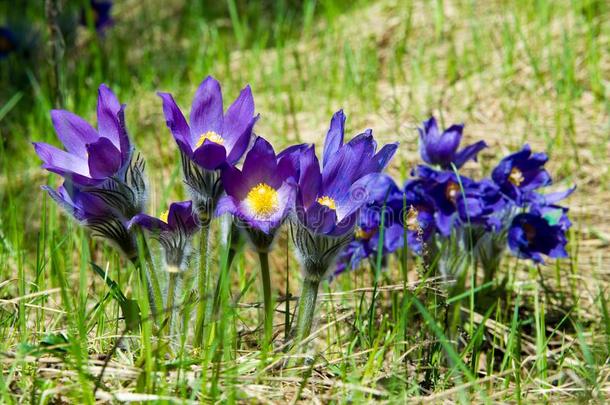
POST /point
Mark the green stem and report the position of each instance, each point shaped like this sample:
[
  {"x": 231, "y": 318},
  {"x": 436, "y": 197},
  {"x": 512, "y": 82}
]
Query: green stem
[
  {"x": 171, "y": 298},
  {"x": 202, "y": 280},
  {"x": 307, "y": 306},
  {"x": 268, "y": 320}
]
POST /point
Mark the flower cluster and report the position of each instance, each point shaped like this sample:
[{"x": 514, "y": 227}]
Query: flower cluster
[
  {"x": 340, "y": 207},
  {"x": 105, "y": 189},
  {"x": 439, "y": 203}
]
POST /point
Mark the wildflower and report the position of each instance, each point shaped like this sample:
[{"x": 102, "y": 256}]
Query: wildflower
[
  {"x": 327, "y": 204},
  {"x": 211, "y": 140},
  {"x": 460, "y": 200},
  {"x": 261, "y": 194},
  {"x": 520, "y": 174},
  {"x": 174, "y": 229},
  {"x": 531, "y": 235},
  {"x": 8, "y": 42},
  {"x": 92, "y": 212},
  {"x": 438, "y": 148},
  {"x": 101, "y": 162}
]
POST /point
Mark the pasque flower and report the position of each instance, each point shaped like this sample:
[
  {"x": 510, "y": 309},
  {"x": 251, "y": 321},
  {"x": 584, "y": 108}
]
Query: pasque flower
[
  {"x": 460, "y": 200},
  {"x": 440, "y": 148},
  {"x": 531, "y": 236},
  {"x": 94, "y": 213},
  {"x": 327, "y": 204},
  {"x": 262, "y": 193},
  {"x": 387, "y": 208},
  {"x": 100, "y": 161},
  {"x": 212, "y": 139},
  {"x": 520, "y": 174},
  {"x": 174, "y": 229}
]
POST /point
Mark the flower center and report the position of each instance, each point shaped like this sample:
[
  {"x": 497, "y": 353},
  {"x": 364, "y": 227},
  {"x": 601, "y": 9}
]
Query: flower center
[
  {"x": 516, "y": 176},
  {"x": 452, "y": 191},
  {"x": 530, "y": 232},
  {"x": 362, "y": 234},
  {"x": 210, "y": 135},
  {"x": 411, "y": 220},
  {"x": 263, "y": 200},
  {"x": 327, "y": 202},
  {"x": 164, "y": 216}
]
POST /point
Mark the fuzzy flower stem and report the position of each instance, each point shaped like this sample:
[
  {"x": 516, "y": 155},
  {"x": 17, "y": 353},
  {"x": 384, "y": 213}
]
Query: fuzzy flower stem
[
  {"x": 171, "y": 298},
  {"x": 266, "y": 279},
  {"x": 202, "y": 281},
  {"x": 307, "y": 306}
]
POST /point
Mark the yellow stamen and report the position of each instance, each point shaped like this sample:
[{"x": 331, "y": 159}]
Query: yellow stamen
[
  {"x": 210, "y": 135},
  {"x": 164, "y": 216},
  {"x": 263, "y": 200},
  {"x": 412, "y": 223},
  {"x": 363, "y": 235},
  {"x": 452, "y": 191},
  {"x": 327, "y": 202},
  {"x": 516, "y": 176}
]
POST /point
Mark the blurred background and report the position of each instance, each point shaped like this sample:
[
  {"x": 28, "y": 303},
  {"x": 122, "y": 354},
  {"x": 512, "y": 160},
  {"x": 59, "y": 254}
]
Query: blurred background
[{"x": 514, "y": 71}]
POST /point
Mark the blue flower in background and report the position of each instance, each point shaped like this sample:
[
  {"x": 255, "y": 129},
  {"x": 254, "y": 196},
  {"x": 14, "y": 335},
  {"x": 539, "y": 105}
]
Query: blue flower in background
[
  {"x": 440, "y": 148},
  {"x": 532, "y": 235},
  {"x": 102, "y": 18},
  {"x": 520, "y": 174}
]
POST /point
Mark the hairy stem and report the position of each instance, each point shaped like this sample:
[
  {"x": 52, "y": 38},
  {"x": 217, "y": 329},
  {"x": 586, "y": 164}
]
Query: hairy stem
[
  {"x": 202, "y": 281},
  {"x": 171, "y": 299},
  {"x": 307, "y": 307}
]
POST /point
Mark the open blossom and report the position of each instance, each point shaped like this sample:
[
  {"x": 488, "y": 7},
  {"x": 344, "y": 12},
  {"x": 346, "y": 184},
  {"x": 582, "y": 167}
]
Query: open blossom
[
  {"x": 520, "y": 174},
  {"x": 212, "y": 137},
  {"x": 262, "y": 193},
  {"x": 460, "y": 200},
  {"x": 90, "y": 156},
  {"x": 174, "y": 229},
  {"x": 386, "y": 208},
  {"x": 94, "y": 213},
  {"x": 329, "y": 197},
  {"x": 440, "y": 148},
  {"x": 531, "y": 236}
]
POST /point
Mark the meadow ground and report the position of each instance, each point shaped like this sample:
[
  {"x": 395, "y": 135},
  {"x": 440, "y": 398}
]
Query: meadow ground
[{"x": 513, "y": 71}]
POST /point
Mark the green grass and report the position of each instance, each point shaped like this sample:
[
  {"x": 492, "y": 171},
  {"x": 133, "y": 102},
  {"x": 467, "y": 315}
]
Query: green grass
[{"x": 513, "y": 71}]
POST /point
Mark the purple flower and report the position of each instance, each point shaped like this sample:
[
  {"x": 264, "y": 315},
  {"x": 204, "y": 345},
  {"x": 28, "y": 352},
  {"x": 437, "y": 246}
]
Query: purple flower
[
  {"x": 212, "y": 138},
  {"x": 262, "y": 193},
  {"x": 174, "y": 229},
  {"x": 8, "y": 42},
  {"x": 91, "y": 157},
  {"x": 438, "y": 148},
  {"x": 460, "y": 200},
  {"x": 328, "y": 198},
  {"x": 365, "y": 243},
  {"x": 94, "y": 213},
  {"x": 531, "y": 235},
  {"x": 520, "y": 174}
]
